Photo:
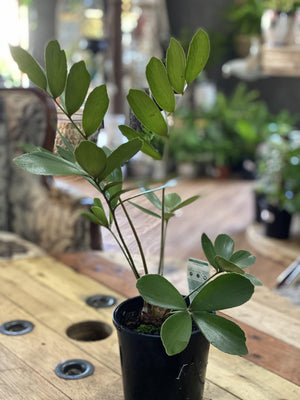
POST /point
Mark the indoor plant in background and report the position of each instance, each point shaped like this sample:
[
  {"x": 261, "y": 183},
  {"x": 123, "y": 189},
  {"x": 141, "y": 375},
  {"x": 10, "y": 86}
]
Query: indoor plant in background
[
  {"x": 182, "y": 345},
  {"x": 278, "y": 21},
  {"x": 278, "y": 183}
]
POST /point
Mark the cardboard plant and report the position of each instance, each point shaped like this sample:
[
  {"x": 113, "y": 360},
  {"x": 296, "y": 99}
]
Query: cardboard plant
[{"x": 230, "y": 286}]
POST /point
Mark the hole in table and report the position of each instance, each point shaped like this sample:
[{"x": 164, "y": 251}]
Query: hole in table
[
  {"x": 74, "y": 369},
  {"x": 100, "y": 301},
  {"x": 16, "y": 327},
  {"x": 89, "y": 331}
]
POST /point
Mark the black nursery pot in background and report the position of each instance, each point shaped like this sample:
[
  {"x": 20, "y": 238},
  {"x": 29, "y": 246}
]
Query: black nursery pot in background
[
  {"x": 148, "y": 372},
  {"x": 277, "y": 222}
]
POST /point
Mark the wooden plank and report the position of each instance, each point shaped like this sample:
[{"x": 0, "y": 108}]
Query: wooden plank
[
  {"x": 47, "y": 312},
  {"x": 247, "y": 380},
  {"x": 18, "y": 381},
  {"x": 43, "y": 348},
  {"x": 281, "y": 326},
  {"x": 58, "y": 312}
]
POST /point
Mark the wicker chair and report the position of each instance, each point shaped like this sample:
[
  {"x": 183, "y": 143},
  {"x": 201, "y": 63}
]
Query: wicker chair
[{"x": 31, "y": 206}]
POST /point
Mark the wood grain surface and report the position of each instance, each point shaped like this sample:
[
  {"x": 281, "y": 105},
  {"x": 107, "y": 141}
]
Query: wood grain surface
[{"x": 52, "y": 296}]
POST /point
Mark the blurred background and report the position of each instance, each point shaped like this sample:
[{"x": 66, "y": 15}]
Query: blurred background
[{"x": 240, "y": 118}]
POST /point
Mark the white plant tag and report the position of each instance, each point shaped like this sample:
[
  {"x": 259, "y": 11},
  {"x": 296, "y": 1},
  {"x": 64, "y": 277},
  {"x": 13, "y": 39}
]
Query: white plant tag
[{"x": 197, "y": 273}]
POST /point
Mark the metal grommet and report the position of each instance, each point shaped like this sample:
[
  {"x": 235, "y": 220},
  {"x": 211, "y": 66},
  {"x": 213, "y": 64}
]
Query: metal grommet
[
  {"x": 16, "y": 327},
  {"x": 74, "y": 369},
  {"x": 100, "y": 301}
]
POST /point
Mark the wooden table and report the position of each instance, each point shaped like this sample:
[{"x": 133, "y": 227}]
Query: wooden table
[{"x": 52, "y": 296}]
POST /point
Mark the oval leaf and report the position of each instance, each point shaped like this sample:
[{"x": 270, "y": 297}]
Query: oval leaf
[
  {"x": 176, "y": 63},
  {"x": 147, "y": 112},
  {"x": 29, "y": 66},
  {"x": 91, "y": 158},
  {"x": 46, "y": 163},
  {"x": 100, "y": 214},
  {"x": 131, "y": 134},
  {"x": 172, "y": 200},
  {"x": 228, "y": 266},
  {"x": 158, "y": 291},
  {"x": 159, "y": 84},
  {"x": 94, "y": 110},
  {"x": 243, "y": 258},
  {"x": 221, "y": 333},
  {"x": 197, "y": 55},
  {"x": 176, "y": 332},
  {"x": 121, "y": 155},
  {"x": 56, "y": 68},
  {"x": 224, "y": 246},
  {"x": 225, "y": 291},
  {"x": 78, "y": 82},
  {"x": 209, "y": 250}
]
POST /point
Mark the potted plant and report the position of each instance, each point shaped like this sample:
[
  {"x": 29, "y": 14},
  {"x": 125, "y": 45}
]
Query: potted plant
[
  {"x": 186, "y": 325},
  {"x": 245, "y": 18},
  {"x": 278, "y": 184},
  {"x": 278, "y": 20}
]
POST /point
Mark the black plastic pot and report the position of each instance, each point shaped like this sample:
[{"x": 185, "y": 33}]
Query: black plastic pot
[
  {"x": 148, "y": 372},
  {"x": 277, "y": 222}
]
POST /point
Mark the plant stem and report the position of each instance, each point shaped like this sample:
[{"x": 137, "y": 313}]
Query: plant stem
[
  {"x": 142, "y": 254},
  {"x": 120, "y": 240},
  {"x": 162, "y": 235}
]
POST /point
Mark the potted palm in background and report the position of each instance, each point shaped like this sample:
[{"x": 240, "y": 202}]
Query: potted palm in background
[{"x": 166, "y": 334}]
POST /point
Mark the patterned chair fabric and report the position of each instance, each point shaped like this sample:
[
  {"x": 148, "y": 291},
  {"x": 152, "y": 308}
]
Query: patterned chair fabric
[{"x": 30, "y": 206}]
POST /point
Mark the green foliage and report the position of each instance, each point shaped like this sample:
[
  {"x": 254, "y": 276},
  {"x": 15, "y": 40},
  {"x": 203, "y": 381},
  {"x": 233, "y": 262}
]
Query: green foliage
[
  {"x": 94, "y": 110},
  {"x": 101, "y": 167},
  {"x": 245, "y": 16},
  {"x": 159, "y": 85},
  {"x": 29, "y": 66},
  {"x": 197, "y": 55},
  {"x": 225, "y": 289},
  {"x": 278, "y": 167},
  {"x": 288, "y": 6},
  {"x": 176, "y": 64},
  {"x": 56, "y": 68},
  {"x": 229, "y": 132}
]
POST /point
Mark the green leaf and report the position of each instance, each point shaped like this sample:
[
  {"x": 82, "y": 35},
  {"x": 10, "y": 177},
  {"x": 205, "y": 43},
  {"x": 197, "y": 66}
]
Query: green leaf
[
  {"x": 209, "y": 250},
  {"x": 221, "y": 333},
  {"x": 255, "y": 281},
  {"x": 46, "y": 163},
  {"x": 78, "y": 82},
  {"x": 225, "y": 291},
  {"x": 171, "y": 200},
  {"x": 91, "y": 158},
  {"x": 186, "y": 202},
  {"x": 121, "y": 155},
  {"x": 90, "y": 216},
  {"x": 94, "y": 110},
  {"x": 176, "y": 63},
  {"x": 151, "y": 196},
  {"x": 243, "y": 258},
  {"x": 116, "y": 178},
  {"x": 159, "y": 84},
  {"x": 65, "y": 154},
  {"x": 158, "y": 291},
  {"x": 197, "y": 55},
  {"x": 29, "y": 66},
  {"x": 224, "y": 246},
  {"x": 56, "y": 68},
  {"x": 225, "y": 265},
  {"x": 100, "y": 214},
  {"x": 176, "y": 332},
  {"x": 147, "y": 112},
  {"x": 131, "y": 134},
  {"x": 145, "y": 210}
]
